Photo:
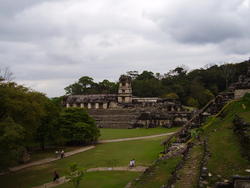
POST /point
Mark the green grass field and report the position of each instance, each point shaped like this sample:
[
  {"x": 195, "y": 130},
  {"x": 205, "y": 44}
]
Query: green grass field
[
  {"x": 107, "y": 133},
  {"x": 111, "y": 179},
  {"x": 115, "y": 154}
]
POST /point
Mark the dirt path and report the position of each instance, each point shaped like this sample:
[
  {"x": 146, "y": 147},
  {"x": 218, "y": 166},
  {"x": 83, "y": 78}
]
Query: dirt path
[
  {"x": 135, "y": 138},
  {"x": 188, "y": 175},
  {"x": 47, "y": 160},
  {"x": 67, "y": 154},
  {"x": 63, "y": 180}
]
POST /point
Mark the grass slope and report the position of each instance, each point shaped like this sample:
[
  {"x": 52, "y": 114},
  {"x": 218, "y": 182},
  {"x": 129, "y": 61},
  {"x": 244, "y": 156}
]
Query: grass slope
[
  {"x": 158, "y": 175},
  {"x": 107, "y": 133},
  {"x": 111, "y": 154},
  {"x": 226, "y": 158},
  {"x": 223, "y": 144}
]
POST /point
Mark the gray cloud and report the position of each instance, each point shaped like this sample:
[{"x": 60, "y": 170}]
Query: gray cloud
[
  {"x": 194, "y": 21},
  {"x": 49, "y": 44}
]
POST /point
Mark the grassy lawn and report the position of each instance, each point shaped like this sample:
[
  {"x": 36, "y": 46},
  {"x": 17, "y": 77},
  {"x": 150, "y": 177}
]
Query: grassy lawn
[
  {"x": 107, "y": 133},
  {"x": 158, "y": 175},
  {"x": 111, "y": 179},
  {"x": 115, "y": 154}
]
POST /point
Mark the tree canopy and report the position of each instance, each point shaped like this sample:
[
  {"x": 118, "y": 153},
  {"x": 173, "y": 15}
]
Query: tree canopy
[
  {"x": 195, "y": 87},
  {"x": 29, "y": 119}
]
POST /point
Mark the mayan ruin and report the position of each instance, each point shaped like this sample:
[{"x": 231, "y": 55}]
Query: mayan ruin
[
  {"x": 122, "y": 110},
  {"x": 125, "y": 94}
]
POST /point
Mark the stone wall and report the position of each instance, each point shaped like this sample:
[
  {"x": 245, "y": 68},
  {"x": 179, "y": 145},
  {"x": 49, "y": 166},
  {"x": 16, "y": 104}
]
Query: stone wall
[
  {"x": 238, "y": 93},
  {"x": 138, "y": 117}
]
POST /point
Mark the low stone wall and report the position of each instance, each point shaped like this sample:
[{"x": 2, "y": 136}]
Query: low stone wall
[{"x": 238, "y": 93}]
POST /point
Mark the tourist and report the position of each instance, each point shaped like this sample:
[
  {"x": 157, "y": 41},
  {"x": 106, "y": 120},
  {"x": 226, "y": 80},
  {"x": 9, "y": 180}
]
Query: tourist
[
  {"x": 132, "y": 163},
  {"x": 62, "y": 154},
  {"x": 56, "y": 176},
  {"x": 57, "y": 153}
]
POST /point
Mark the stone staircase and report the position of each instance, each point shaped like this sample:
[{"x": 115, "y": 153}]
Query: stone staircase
[{"x": 114, "y": 118}]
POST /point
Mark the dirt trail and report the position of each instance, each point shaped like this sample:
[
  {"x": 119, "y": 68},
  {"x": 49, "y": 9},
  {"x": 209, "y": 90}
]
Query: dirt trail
[
  {"x": 47, "y": 160},
  {"x": 188, "y": 175},
  {"x": 134, "y": 138},
  {"x": 63, "y": 180}
]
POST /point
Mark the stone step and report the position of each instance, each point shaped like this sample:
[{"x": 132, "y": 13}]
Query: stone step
[
  {"x": 114, "y": 125},
  {"x": 111, "y": 112},
  {"x": 113, "y": 119},
  {"x": 115, "y": 115}
]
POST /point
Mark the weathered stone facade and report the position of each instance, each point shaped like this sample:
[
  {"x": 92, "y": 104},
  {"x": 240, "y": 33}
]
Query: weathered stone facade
[
  {"x": 122, "y": 110},
  {"x": 241, "y": 87}
]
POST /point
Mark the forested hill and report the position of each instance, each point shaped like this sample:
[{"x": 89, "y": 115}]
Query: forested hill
[{"x": 193, "y": 88}]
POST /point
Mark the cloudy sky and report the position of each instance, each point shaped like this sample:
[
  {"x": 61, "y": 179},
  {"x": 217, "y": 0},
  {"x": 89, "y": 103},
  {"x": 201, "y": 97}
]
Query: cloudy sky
[{"x": 49, "y": 44}]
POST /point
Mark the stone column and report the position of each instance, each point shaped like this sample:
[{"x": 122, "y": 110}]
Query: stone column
[
  {"x": 67, "y": 105},
  {"x": 105, "y": 105},
  {"x": 96, "y": 105},
  {"x": 89, "y": 105},
  {"x": 82, "y": 105}
]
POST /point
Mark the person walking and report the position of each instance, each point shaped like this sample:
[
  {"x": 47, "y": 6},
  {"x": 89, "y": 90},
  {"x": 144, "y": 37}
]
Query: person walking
[
  {"x": 56, "y": 176},
  {"x": 56, "y": 153},
  {"x": 62, "y": 154}
]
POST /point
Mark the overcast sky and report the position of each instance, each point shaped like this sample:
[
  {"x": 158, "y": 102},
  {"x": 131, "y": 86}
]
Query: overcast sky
[{"x": 49, "y": 44}]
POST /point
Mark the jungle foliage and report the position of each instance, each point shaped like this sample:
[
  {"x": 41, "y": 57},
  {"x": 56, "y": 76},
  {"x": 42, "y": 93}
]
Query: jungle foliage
[
  {"x": 194, "y": 88},
  {"x": 29, "y": 120}
]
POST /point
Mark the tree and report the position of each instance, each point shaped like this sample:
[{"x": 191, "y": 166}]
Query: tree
[
  {"x": 107, "y": 87},
  {"x": 11, "y": 142},
  {"x": 170, "y": 96},
  {"x": 192, "y": 102},
  {"x": 133, "y": 74},
  {"x": 32, "y": 110},
  {"x": 78, "y": 127},
  {"x": 145, "y": 75},
  {"x": 75, "y": 175},
  {"x": 6, "y": 74},
  {"x": 86, "y": 85},
  {"x": 228, "y": 73},
  {"x": 180, "y": 70},
  {"x": 83, "y": 133},
  {"x": 48, "y": 131}
]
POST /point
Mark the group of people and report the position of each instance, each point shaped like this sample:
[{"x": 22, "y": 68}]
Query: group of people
[
  {"x": 59, "y": 153},
  {"x": 132, "y": 163}
]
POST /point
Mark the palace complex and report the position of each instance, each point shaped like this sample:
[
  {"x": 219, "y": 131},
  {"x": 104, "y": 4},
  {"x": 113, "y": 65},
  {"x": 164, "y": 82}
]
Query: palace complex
[{"x": 123, "y": 110}]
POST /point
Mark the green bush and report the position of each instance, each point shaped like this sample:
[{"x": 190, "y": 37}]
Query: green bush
[{"x": 77, "y": 127}]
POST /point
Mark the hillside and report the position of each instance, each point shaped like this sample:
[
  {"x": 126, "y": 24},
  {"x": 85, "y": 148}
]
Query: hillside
[{"x": 214, "y": 153}]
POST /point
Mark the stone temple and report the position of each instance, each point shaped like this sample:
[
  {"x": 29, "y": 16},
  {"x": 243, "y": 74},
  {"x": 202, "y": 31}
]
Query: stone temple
[{"x": 123, "y": 110}]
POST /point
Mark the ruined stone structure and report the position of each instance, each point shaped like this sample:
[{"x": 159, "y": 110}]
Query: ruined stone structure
[
  {"x": 122, "y": 110},
  {"x": 241, "y": 87}
]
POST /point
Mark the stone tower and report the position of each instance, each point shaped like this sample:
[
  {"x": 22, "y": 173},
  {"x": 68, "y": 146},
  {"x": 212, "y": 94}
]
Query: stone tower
[{"x": 125, "y": 89}]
